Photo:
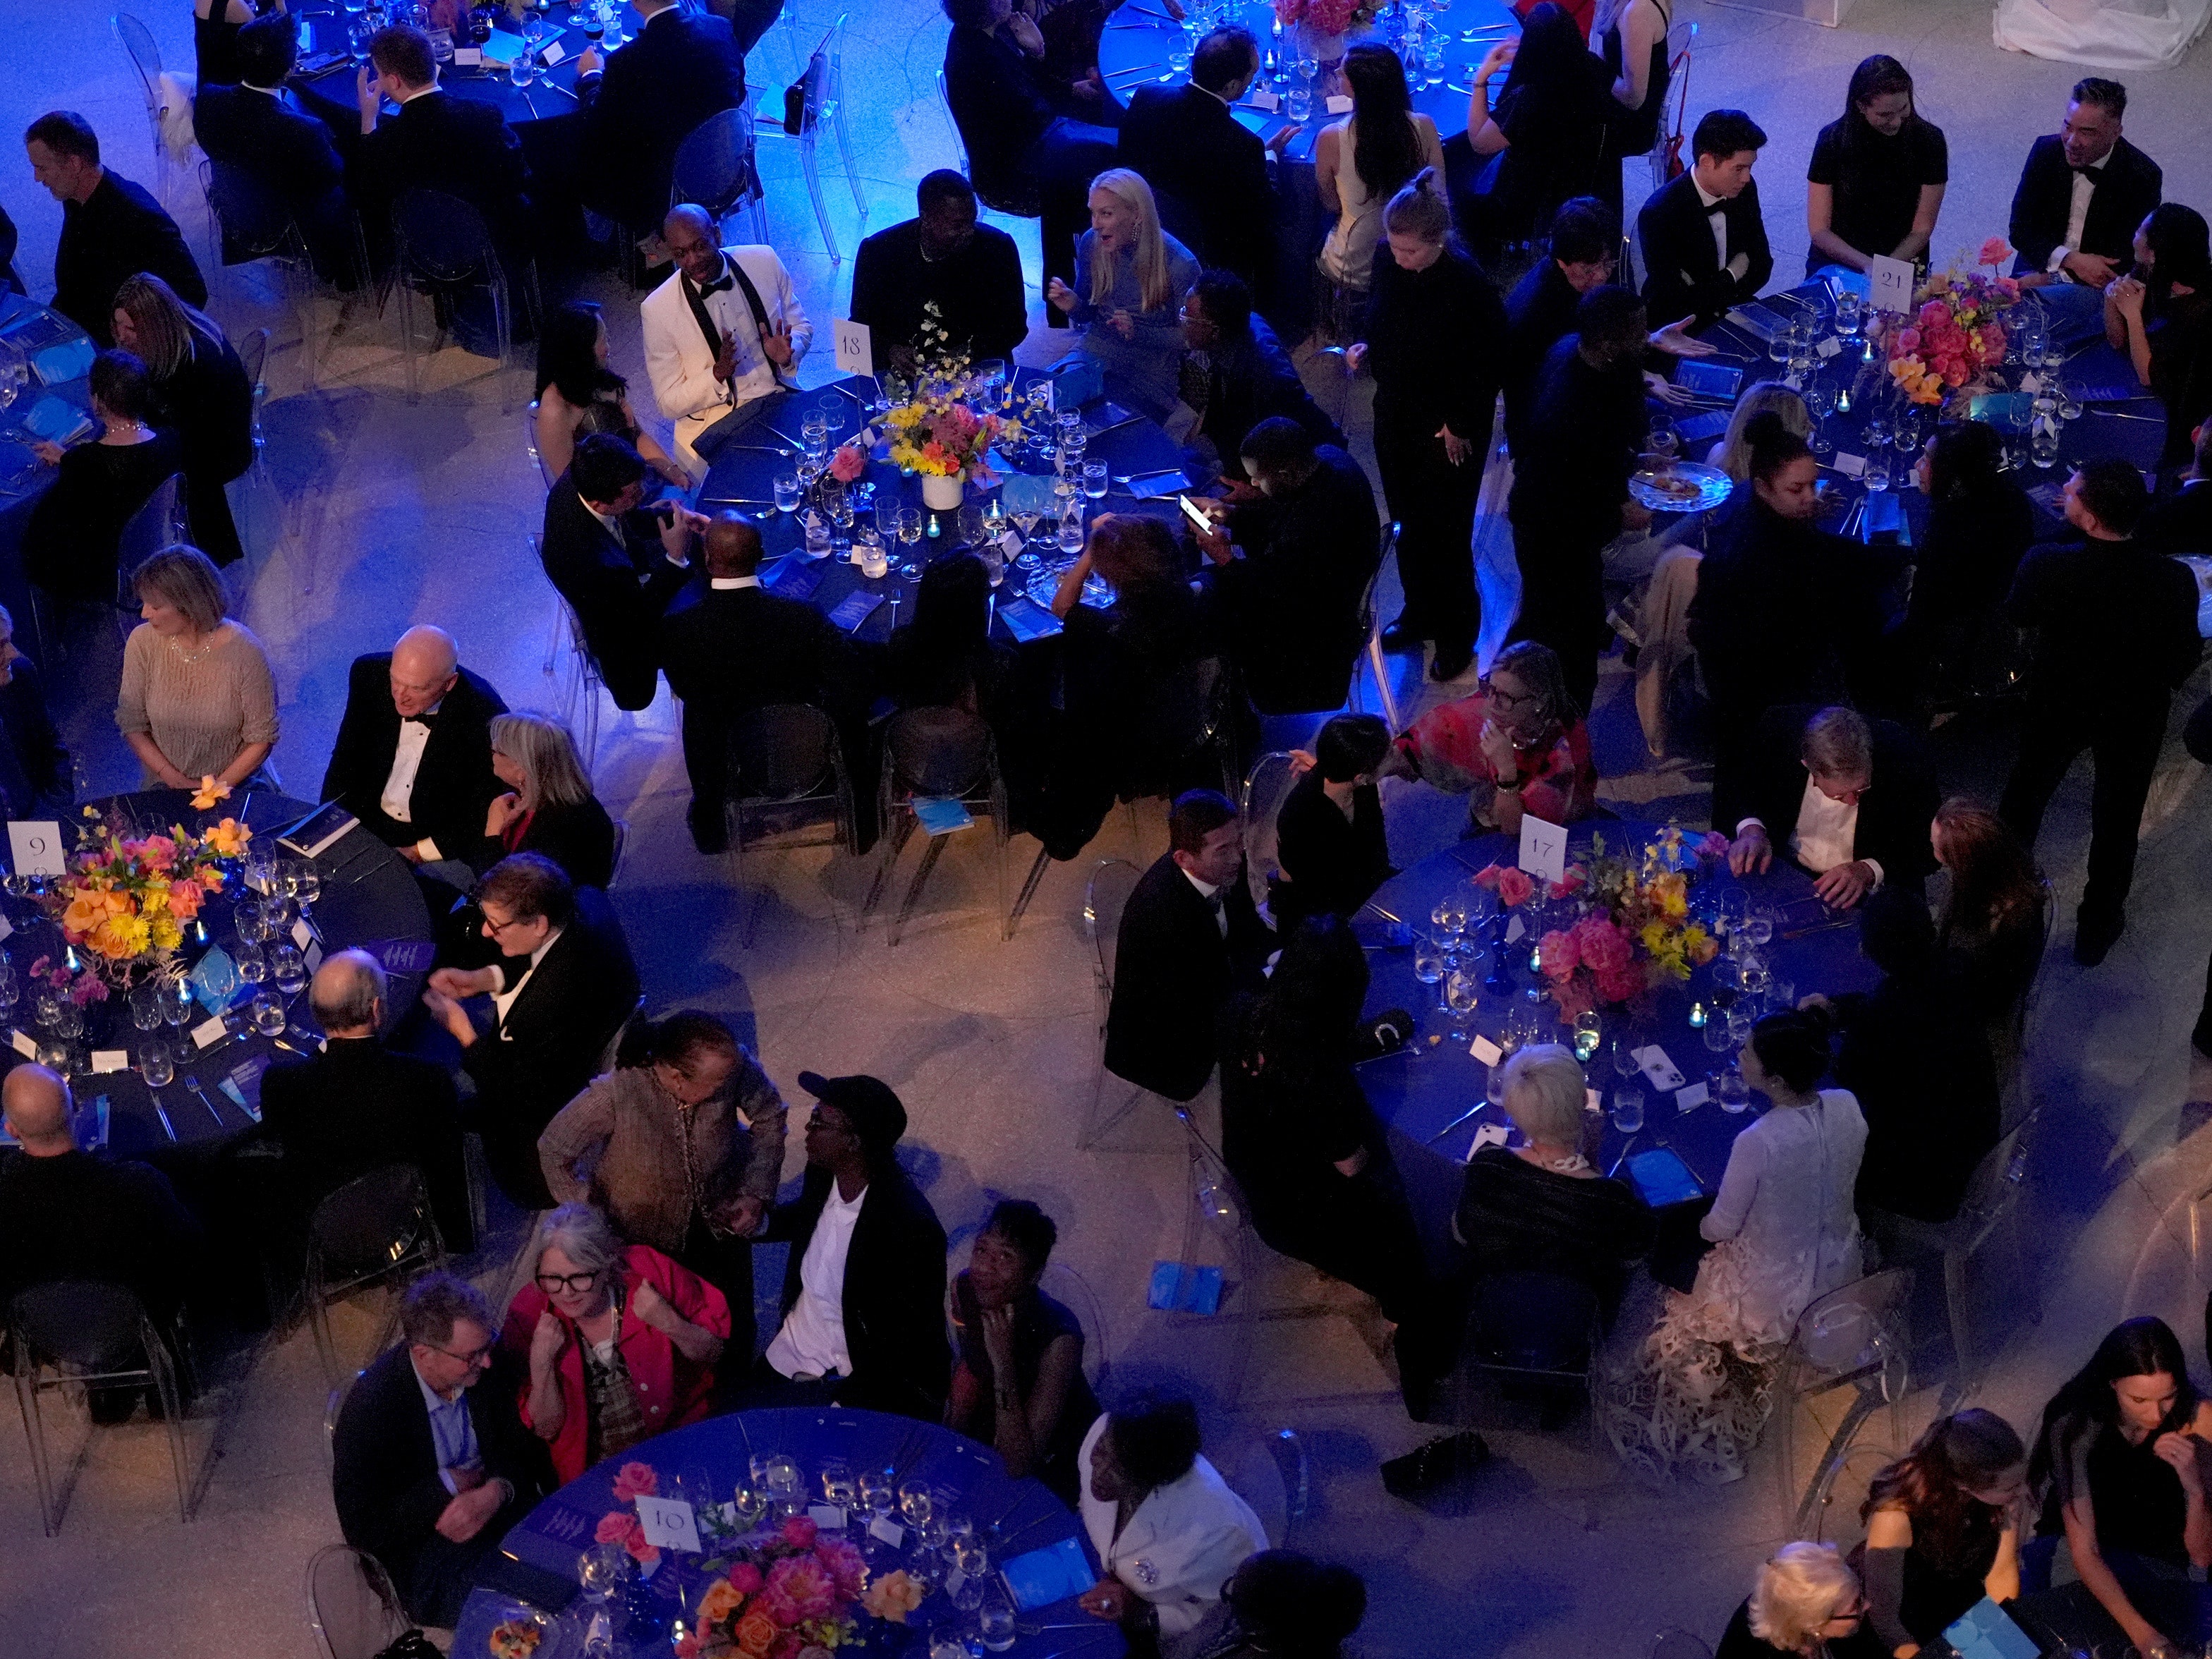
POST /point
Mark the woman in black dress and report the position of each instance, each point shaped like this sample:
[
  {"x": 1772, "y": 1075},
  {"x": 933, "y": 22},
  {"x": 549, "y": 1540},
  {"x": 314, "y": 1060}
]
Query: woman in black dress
[
  {"x": 549, "y": 806},
  {"x": 1992, "y": 921},
  {"x": 1877, "y": 177},
  {"x": 945, "y": 658},
  {"x": 1550, "y": 123},
  {"x": 1980, "y": 521},
  {"x": 201, "y": 393},
  {"x": 216, "y": 24},
  {"x": 1805, "y": 1604},
  {"x": 578, "y": 393},
  {"x": 1329, "y": 831},
  {"x": 2161, "y": 314},
  {"x": 1944, "y": 1529},
  {"x": 1632, "y": 37},
  {"x": 69, "y": 543}
]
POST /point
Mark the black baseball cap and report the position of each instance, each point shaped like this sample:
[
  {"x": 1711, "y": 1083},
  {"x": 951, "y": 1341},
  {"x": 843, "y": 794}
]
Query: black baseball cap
[{"x": 874, "y": 1109}]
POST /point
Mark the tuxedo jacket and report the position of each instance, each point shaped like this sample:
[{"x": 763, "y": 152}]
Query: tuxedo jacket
[
  {"x": 2181, "y": 522},
  {"x": 1685, "y": 277},
  {"x": 682, "y": 68},
  {"x": 1173, "y": 971},
  {"x": 116, "y": 232},
  {"x": 680, "y": 363},
  {"x": 454, "y": 784},
  {"x": 461, "y": 146},
  {"x": 1767, "y": 783},
  {"x": 1189, "y": 147},
  {"x": 273, "y": 142},
  {"x": 617, "y": 588},
  {"x": 2128, "y": 187}
]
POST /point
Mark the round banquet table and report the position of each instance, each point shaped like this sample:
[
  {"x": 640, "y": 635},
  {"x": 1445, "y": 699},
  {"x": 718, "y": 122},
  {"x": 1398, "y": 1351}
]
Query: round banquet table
[
  {"x": 1433, "y": 1097},
  {"x": 535, "y": 1566},
  {"x": 53, "y": 403},
  {"x": 369, "y": 898}
]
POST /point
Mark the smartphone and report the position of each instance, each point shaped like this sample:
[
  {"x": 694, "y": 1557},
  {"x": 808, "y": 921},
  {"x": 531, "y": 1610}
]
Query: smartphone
[{"x": 1205, "y": 526}]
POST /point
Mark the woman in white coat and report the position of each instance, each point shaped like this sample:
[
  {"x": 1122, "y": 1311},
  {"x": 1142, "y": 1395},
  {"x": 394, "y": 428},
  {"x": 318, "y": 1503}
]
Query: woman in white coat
[{"x": 1164, "y": 1523}]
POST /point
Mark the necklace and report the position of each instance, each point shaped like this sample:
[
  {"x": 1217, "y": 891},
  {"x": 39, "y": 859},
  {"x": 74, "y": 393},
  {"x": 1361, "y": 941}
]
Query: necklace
[
  {"x": 1566, "y": 1165},
  {"x": 177, "y": 648}
]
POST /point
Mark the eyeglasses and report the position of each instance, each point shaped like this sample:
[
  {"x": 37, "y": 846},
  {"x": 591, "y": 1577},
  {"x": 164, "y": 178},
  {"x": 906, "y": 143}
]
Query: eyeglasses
[
  {"x": 1505, "y": 699},
  {"x": 475, "y": 1361},
  {"x": 553, "y": 1283}
]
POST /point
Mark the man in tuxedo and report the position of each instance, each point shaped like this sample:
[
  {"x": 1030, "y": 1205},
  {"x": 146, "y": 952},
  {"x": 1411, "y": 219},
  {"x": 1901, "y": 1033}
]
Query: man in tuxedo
[
  {"x": 730, "y": 646},
  {"x": 1857, "y": 799},
  {"x": 681, "y": 67},
  {"x": 430, "y": 1464},
  {"x": 413, "y": 755},
  {"x": 563, "y": 985},
  {"x": 2116, "y": 633},
  {"x": 1288, "y": 569},
  {"x": 1207, "y": 169},
  {"x": 2082, "y": 193},
  {"x": 1704, "y": 245},
  {"x": 460, "y": 146},
  {"x": 1190, "y": 936},
  {"x": 258, "y": 129},
  {"x": 1237, "y": 374},
  {"x": 616, "y": 565},
  {"x": 110, "y": 227},
  {"x": 2181, "y": 521},
  {"x": 725, "y": 329},
  {"x": 972, "y": 272}
]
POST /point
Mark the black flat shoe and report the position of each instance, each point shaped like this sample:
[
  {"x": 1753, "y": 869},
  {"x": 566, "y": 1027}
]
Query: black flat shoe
[
  {"x": 1400, "y": 635},
  {"x": 2095, "y": 936}
]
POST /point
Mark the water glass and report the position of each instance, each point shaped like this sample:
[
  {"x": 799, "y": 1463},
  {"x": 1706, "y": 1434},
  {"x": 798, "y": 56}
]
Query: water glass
[
  {"x": 1627, "y": 1109},
  {"x": 523, "y": 70},
  {"x": 1070, "y": 533},
  {"x": 1848, "y": 313},
  {"x": 146, "y": 1006},
  {"x": 1094, "y": 480},
  {"x": 1759, "y": 922},
  {"x": 1731, "y": 1090},
  {"x": 944, "y": 1642},
  {"x": 1178, "y": 56},
  {"x": 155, "y": 1063},
  {"x": 1299, "y": 104},
  {"x": 1461, "y": 985},
  {"x": 268, "y": 1010},
  {"x": 1716, "y": 1034},
  {"x": 2070, "y": 401},
  {"x": 875, "y": 562},
  {"x": 1624, "y": 1055},
  {"x": 252, "y": 965},
  {"x": 2043, "y": 441},
  {"x": 786, "y": 492},
  {"x": 289, "y": 969},
  {"x": 1429, "y": 962}
]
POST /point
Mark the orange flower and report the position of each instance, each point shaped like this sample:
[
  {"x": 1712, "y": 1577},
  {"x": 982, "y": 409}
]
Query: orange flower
[
  {"x": 90, "y": 908},
  {"x": 719, "y": 1601},
  {"x": 227, "y": 838},
  {"x": 209, "y": 794},
  {"x": 757, "y": 1633}
]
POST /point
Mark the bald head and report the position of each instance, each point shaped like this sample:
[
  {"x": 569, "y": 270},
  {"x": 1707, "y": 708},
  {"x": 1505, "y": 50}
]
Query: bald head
[
  {"x": 347, "y": 994},
  {"x": 36, "y": 1102},
  {"x": 733, "y": 546},
  {"x": 424, "y": 666},
  {"x": 690, "y": 234}
]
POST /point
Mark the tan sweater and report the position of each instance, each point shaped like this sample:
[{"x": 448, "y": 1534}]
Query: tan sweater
[{"x": 199, "y": 712}]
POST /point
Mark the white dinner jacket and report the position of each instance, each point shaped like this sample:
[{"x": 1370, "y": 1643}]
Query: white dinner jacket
[
  {"x": 676, "y": 360},
  {"x": 1180, "y": 1546}
]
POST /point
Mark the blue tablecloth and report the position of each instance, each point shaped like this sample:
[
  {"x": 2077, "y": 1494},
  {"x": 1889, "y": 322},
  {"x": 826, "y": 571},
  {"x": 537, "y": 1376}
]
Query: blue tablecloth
[{"x": 23, "y": 479}]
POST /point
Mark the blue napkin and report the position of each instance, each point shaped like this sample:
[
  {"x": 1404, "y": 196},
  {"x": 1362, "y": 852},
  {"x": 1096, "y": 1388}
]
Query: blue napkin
[
  {"x": 215, "y": 980},
  {"x": 940, "y": 817},
  {"x": 59, "y": 364},
  {"x": 55, "y": 421}
]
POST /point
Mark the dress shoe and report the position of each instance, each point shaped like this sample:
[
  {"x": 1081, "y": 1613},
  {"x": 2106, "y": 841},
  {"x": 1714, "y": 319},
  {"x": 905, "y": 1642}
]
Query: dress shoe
[
  {"x": 710, "y": 830},
  {"x": 1450, "y": 662},
  {"x": 2095, "y": 935},
  {"x": 1401, "y": 635}
]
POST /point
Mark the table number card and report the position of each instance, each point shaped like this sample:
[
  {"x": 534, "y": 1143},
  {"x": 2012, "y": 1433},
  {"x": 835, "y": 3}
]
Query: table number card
[
  {"x": 1543, "y": 848},
  {"x": 669, "y": 1523},
  {"x": 1892, "y": 281},
  {"x": 854, "y": 354},
  {"x": 37, "y": 847}
]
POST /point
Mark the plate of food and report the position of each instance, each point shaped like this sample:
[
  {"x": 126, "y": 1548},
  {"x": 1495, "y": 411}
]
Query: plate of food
[
  {"x": 1666, "y": 485},
  {"x": 517, "y": 1637}
]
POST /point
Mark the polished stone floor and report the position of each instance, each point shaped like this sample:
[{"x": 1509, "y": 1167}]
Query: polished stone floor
[{"x": 375, "y": 513}]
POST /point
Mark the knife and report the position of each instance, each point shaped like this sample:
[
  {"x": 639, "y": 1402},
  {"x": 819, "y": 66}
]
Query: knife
[{"x": 162, "y": 1112}]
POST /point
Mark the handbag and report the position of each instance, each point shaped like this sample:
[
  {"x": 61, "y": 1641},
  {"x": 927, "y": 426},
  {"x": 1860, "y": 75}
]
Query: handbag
[{"x": 411, "y": 1644}]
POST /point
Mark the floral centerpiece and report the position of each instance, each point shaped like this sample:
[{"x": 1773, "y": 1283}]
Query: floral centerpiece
[
  {"x": 1321, "y": 25},
  {"x": 125, "y": 902},
  {"x": 1955, "y": 342},
  {"x": 937, "y": 435}
]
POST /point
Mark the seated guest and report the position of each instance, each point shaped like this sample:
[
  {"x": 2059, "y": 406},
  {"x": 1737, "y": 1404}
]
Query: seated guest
[
  {"x": 1165, "y": 1526},
  {"x": 1631, "y": 36},
  {"x": 2082, "y": 192},
  {"x": 1130, "y": 276},
  {"x": 73, "y": 539},
  {"x": 864, "y": 1288},
  {"x": 1310, "y": 1156},
  {"x": 1980, "y": 521},
  {"x": 1018, "y": 1382},
  {"x": 1191, "y": 937},
  {"x": 2118, "y": 1465},
  {"x": 680, "y": 67},
  {"x": 257, "y": 128},
  {"x": 973, "y": 272},
  {"x": 1549, "y": 128},
  {"x": 429, "y": 1469},
  {"x": 617, "y": 564},
  {"x": 200, "y": 392},
  {"x": 2181, "y": 521},
  {"x": 1237, "y": 374},
  {"x": 619, "y": 1343},
  {"x": 1992, "y": 919},
  {"x": 946, "y": 657},
  {"x": 1805, "y": 1604},
  {"x": 1287, "y": 569},
  {"x": 422, "y": 785},
  {"x": 2166, "y": 321},
  {"x": 1328, "y": 835},
  {"x": 460, "y": 146},
  {"x": 681, "y": 1146},
  {"x": 217, "y": 26},
  {"x": 1584, "y": 249},
  {"x": 110, "y": 227},
  {"x": 1857, "y": 799},
  {"x": 1944, "y": 1529},
  {"x": 549, "y": 806},
  {"x": 1704, "y": 244},
  {"x": 578, "y": 393},
  {"x": 1360, "y": 164},
  {"x": 1073, "y": 30},
  {"x": 36, "y": 780},
  {"x": 1517, "y": 745},
  {"x": 1022, "y": 131},
  {"x": 1283, "y": 1603},
  {"x": 563, "y": 985},
  {"x": 725, "y": 329},
  {"x": 1732, "y": 455},
  {"x": 730, "y": 646},
  {"x": 1207, "y": 169},
  {"x": 1878, "y": 174},
  {"x": 198, "y": 698},
  {"x": 1541, "y": 1208}
]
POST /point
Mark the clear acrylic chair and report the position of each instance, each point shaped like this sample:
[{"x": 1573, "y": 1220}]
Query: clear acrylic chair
[
  {"x": 376, "y": 1229},
  {"x": 1854, "y": 1337},
  {"x": 1371, "y": 632},
  {"x": 783, "y": 757},
  {"x": 717, "y": 168},
  {"x": 1266, "y": 787},
  {"x": 353, "y": 1611},
  {"x": 1104, "y": 897},
  {"x": 821, "y": 88},
  {"x": 444, "y": 250},
  {"x": 146, "y": 58},
  {"x": 530, "y": 442},
  {"x": 935, "y": 754}
]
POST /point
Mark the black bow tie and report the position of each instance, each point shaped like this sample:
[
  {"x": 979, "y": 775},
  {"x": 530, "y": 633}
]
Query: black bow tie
[
  {"x": 430, "y": 719},
  {"x": 724, "y": 286},
  {"x": 2086, "y": 171}
]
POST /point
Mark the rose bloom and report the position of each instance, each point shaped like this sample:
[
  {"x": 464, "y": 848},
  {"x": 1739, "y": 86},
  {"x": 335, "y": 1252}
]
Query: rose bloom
[
  {"x": 847, "y": 464},
  {"x": 634, "y": 1479},
  {"x": 1557, "y": 953},
  {"x": 756, "y": 1633},
  {"x": 846, "y": 1566},
  {"x": 721, "y": 1601},
  {"x": 802, "y": 1583},
  {"x": 745, "y": 1578},
  {"x": 613, "y": 1527},
  {"x": 227, "y": 838},
  {"x": 800, "y": 1530},
  {"x": 184, "y": 898},
  {"x": 1515, "y": 887},
  {"x": 1994, "y": 252}
]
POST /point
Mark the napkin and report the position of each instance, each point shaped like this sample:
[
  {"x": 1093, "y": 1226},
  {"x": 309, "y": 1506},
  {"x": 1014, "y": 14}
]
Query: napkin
[
  {"x": 69, "y": 361},
  {"x": 53, "y": 419}
]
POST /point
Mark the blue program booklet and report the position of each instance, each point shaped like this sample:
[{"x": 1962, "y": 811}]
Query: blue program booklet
[
  {"x": 856, "y": 608},
  {"x": 1662, "y": 1176},
  {"x": 1058, "y": 1572},
  {"x": 1986, "y": 1631}
]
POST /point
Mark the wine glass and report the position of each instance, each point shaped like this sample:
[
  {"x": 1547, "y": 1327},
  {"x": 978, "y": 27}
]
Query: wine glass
[
  {"x": 145, "y": 1001},
  {"x": 252, "y": 965},
  {"x": 177, "y": 1002},
  {"x": 1624, "y": 1055},
  {"x": 1821, "y": 400},
  {"x": 1590, "y": 1032},
  {"x": 11, "y": 990},
  {"x": 1429, "y": 962},
  {"x": 839, "y": 1485},
  {"x": 1461, "y": 985},
  {"x": 878, "y": 1491}
]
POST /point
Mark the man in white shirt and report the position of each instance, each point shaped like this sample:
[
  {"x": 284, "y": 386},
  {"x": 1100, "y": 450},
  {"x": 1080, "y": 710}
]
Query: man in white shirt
[
  {"x": 2082, "y": 193},
  {"x": 725, "y": 328}
]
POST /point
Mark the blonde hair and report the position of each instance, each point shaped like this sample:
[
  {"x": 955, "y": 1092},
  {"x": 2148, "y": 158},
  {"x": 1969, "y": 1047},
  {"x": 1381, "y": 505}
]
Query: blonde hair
[
  {"x": 166, "y": 324},
  {"x": 1134, "y": 193},
  {"x": 184, "y": 577},
  {"x": 1544, "y": 1094},
  {"x": 1798, "y": 1591},
  {"x": 552, "y": 773},
  {"x": 1767, "y": 397}
]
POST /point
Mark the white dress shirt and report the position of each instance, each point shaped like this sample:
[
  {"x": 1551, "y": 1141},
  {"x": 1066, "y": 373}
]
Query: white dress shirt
[
  {"x": 724, "y": 584},
  {"x": 1825, "y": 833},
  {"x": 398, "y": 796},
  {"x": 1206, "y": 892},
  {"x": 2078, "y": 213},
  {"x": 1716, "y": 216},
  {"x": 812, "y": 1341},
  {"x": 503, "y": 1001}
]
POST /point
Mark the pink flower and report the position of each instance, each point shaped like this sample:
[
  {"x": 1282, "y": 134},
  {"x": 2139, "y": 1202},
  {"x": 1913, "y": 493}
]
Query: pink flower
[
  {"x": 1908, "y": 340},
  {"x": 800, "y": 1531},
  {"x": 1604, "y": 949},
  {"x": 1515, "y": 887},
  {"x": 184, "y": 899},
  {"x": 801, "y": 1587},
  {"x": 1713, "y": 848},
  {"x": 745, "y": 1578},
  {"x": 1486, "y": 877},
  {"x": 786, "y": 1646},
  {"x": 1994, "y": 252},
  {"x": 2009, "y": 286},
  {"x": 1572, "y": 883},
  {"x": 847, "y": 464},
  {"x": 845, "y": 1565},
  {"x": 1618, "y": 985},
  {"x": 635, "y": 1480},
  {"x": 159, "y": 851},
  {"x": 1557, "y": 953},
  {"x": 614, "y": 1526},
  {"x": 87, "y": 989}
]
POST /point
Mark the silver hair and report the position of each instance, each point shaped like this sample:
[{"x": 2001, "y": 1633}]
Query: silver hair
[
  {"x": 552, "y": 775},
  {"x": 1838, "y": 744},
  {"x": 1544, "y": 1094},
  {"x": 1798, "y": 1591},
  {"x": 584, "y": 1237}
]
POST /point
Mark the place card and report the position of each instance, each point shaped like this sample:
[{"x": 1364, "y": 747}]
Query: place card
[
  {"x": 467, "y": 57},
  {"x": 302, "y": 935},
  {"x": 554, "y": 52},
  {"x": 1261, "y": 98},
  {"x": 22, "y": 1045},
  {"x": 208, "y": 1032},
  {"x": 1696, "y": 1094},
  {"x": 1490, "y": 1135},
  {"x": 888, "y": 1531},
  {"x": 1652, "y": 1062},
  {"x": 953, "y": 1581},
  {"x": 1484, "y": 1051},
  {"x": 668, "y": 1523},
  {"x": 1515, "y": 929},
  {"x": 6, "y": 927},
  {"x": 1828, "y": 348},
  {"x": 111, "y": 1060},
  {"x": 1851, "y": 466},
  {"x": 830, "y": 1517},
  {"x": 1340, "y": 105}
]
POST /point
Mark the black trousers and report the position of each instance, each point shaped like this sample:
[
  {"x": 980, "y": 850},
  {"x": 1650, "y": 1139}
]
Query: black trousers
[
  {"x": 728, "y": 1265},
  {"x": 2202, "y": 1036},
  {"x": 2123, "y": 745},
  {"x": 1433, "y": 502},
  {"x": 1065, "y": 157},
  {"x": 1562, "y": 590}
]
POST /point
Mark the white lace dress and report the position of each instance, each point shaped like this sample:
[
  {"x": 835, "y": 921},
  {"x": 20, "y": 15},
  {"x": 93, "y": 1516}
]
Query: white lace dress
[{"x": 1697, "y": 1394}]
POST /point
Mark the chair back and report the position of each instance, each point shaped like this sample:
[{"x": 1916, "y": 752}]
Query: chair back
[
  {"x": 612, "y": 1049},
  {"x": 622, "y": 845},
  {"x": 715, "y": 165},
  {"x": 785, "y": 752},
  {"x": 529, "y": 443},
  {"x": 1857, "y": 1332},
  {"x": 1107, "y": 896},
  {"x": 254, "y": 356},
  {"x": 254, "y": 221},
  {"x": 375, "y": 1220},
  {"x": 1996, "y": 1185},
  {"x": 822, "y": 84},
  {"x": 959, "y": 138},
  {"x": 1679, "y": 1644},
  {"x": 1248, "y": 1466},
  {"x": 1073, "y": 1290},
  {"x": 145, "y": 56},
  {"x": 1534, "y": 1322},
  {"x": 87, "y": 1325},
  {"x": 352, "y": 1609},
  {"x": 162, "y": 521},
  {"x": 1266, "y": 787},
  {"x": 941, "y": 752},
  {"x": 443, "y": 239}
]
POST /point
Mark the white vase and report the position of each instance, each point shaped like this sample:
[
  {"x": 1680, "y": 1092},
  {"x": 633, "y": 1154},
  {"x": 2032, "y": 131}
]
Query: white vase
[{"x": 941, "y": 495}]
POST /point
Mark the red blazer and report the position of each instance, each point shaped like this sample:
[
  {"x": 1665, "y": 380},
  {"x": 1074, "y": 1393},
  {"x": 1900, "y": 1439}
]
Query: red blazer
[{"x": 672, "y": 1391}]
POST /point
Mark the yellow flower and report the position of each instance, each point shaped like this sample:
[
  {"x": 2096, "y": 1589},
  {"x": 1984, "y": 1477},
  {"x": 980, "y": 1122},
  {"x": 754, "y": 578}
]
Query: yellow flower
[
  {"x": 119, "y": 938},
  {"x": 163, "y": 933},
  {"x": 209, "y": 794},
  {"x": 229, "y": 838}
]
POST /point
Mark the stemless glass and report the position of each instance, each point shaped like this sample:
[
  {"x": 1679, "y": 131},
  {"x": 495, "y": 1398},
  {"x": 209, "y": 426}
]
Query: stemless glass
[
  {"x": 1071, "y": 531},
  {"x": 268, "y": 1013},
  {"x": 1624, "y": 1055},
  {"x": 786, "y": 492},
  {"x": 155, "y": 1063},
  {"x": 1759, "y": 922},
  {"x": 1429, "y": 962},
  {"x": 289, "y": 969},
  {"x": 1627, "y": 1109},
  {"x": 1731, "y": 1090},
  {"x": 1094, "y": 480}
]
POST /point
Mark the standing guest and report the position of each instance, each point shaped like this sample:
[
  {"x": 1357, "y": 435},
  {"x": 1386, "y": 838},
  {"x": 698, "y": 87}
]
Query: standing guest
[
  {"x": 201, "y": 393},
  {"x": 1518, "y": 744},
  {"x": 1980, "y": 521},
  {"x": 1018, "y": 1381},
  {"x": 564, "y": 987},
  {"x": 1942, "y": 1529},
  {"x": 1283, "y": 1605},
  {"x": 36, "y": 778},
  {"x": 1360, "y": 164},
  {"x": 73, "y": 538},
  {"x": 617, "y": 565},
  {"x": 217, "y": 26},
  {"x": 2082, "y": 192},
  {"x": 579, "y": 394},
  {"x": 1877, "y": 176},
  {"x": 2116, "y": 633},
  {"x": 1631, "y": 37},
  {"x": 198, "y": 698},
  {"x": 112, "y": 228},
  {"x": 1805, "y": 1604},
  {"x": 1549, "y": 128},
  {"x": 1191, "y": 937},
  {"x": 620, "y": 1343},
  {"x": 1992, "y": 919},
  {"x": 413, "y": 755},
  {"x": 1237, "y": 374},
  {"x": 645, "y": 99},
  {"x": 430, "y": 1465},
  {"x": 549, "y": 806},
  {"x": 971, "y": 272},
  {"x": 2166, "y": 321},
  {"x": 1328, "y": 836},
  {"x": 864, "y": 1286},
  {"x": 1433, "y": 327},
  {"x": 946, "y": 657},
  {"x": 725, "y": 329},
  {"x": 257, "y": 128},
  {"x": 1583, "y": 251},
  {"x": 680, "y": 1146},
  {"x": 1704, "y": 244},
  {"x": 1130, "y": 277}
]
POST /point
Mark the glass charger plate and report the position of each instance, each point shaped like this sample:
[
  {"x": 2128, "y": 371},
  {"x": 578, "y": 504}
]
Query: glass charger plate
[{"x": 1667, "y": 485}]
